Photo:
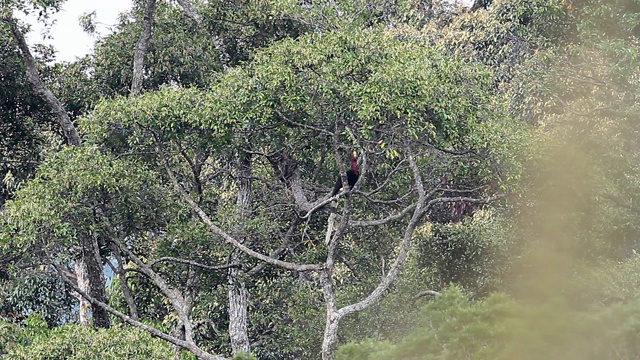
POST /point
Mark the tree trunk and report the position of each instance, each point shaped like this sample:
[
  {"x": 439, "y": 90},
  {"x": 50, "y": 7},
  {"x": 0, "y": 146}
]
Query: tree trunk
[
  {"x": 33, "y": 76},
  {"x": 83, "y": 284},
  {"x": 238, "y": 295},
  {"x": 238, "y": 304},
  {"x": 330, "y": 339},
  {"x": 141, "y": 48},
  {"x": 92, "y": 264}
]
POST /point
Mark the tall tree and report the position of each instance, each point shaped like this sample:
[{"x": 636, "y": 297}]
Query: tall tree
[
  {"x": 284, "y": 95},
  {"x": 88, "y": 264}
]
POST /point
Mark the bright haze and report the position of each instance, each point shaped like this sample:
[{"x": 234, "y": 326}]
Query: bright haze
[
  {"x": 68, "y": 38},
  {"x": 66, "y": 35}
]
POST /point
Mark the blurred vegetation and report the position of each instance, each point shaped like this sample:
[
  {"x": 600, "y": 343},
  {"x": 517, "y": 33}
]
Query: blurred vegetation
[{"x": 498, "y": 327}]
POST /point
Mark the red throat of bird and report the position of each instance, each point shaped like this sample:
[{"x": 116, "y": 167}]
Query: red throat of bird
[{"x": 354, "y": 162}]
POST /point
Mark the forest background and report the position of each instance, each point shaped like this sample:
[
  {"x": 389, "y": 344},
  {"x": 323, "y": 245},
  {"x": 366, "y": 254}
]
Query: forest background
[{"x": 169, "y": 195}]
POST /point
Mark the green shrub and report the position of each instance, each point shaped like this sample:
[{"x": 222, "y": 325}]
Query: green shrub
[
  {"x": 75, "y": 342},
  {"x": 498, "y": 327}
]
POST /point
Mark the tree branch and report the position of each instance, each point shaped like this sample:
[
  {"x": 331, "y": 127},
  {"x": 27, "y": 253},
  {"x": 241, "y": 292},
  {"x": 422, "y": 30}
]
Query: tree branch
[
  {"x": 386, "y": 280},
  {"x": 425, "y": 293},
  {"x": 190, "y": 10},
  {"x": 194, "y": 263},
  {"x": 218, "y": 231},
  {"x": 141, "y": 48},
  {"x": 385, "y": 220},
  {"x": 465, "y": 199},
  {"x": 283, "y": 246},
  {"x": 177, "y": 300},
  {"x": 192, "y": 347},
  {"x": 305, "y": 126},
  {"x": 70, "y": 132}
]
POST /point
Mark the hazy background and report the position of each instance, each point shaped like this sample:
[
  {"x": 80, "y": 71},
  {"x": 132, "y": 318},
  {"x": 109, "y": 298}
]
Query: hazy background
[{"x": 68, "y": 38}]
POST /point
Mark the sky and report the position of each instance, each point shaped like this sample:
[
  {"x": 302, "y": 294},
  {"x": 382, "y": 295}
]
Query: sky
[{"x": 70, "y": 40}]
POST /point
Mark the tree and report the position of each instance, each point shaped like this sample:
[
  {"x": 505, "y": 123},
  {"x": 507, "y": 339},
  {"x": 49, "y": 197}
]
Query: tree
[
  {"x": 258, "y": 111},
  {"x": 88, "y": 269},
  {"x": 224, "y": 182}
]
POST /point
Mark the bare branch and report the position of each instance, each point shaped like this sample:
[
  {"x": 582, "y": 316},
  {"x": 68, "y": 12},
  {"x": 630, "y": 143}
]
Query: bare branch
[
  {"x": 443, "y": 150},
  {"x": 279, "y": 250},
  {"x": 465, "y": 199},
  {"x": 188, "y": 345},
  {"x": 589, "y": 112},
  {"x": 305, "y": 126},
  {"x": 385, "y": 220},
  {"x": 224, "y": 235},
  {"x": 425, "y": 293},
  {"x": 387, "y": 180},
  {"x": 416, "y": 174},
  {"x": 126, "y": 290},
  {"x": 450, "y": 190},
  {"x": 624, "y": 204},
  {"x": 194, "y": 263},
  {"x": 405, "y": 246},
  {"x": 334, "y": 316},
  {"x": 286, "y": 168},
  {"x": 177, "y": 300},
  {"x": 387, "y": 202},
  {"x": 320, "y": 203}
]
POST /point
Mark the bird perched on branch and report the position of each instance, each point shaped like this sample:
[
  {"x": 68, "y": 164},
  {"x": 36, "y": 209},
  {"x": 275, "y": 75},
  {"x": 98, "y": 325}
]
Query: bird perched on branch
[
  {"x": 352, "y": 178},
  {"x": 352, "y": 175}
]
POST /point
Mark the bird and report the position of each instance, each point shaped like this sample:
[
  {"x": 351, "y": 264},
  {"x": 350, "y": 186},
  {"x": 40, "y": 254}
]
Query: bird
[{"x": 352, "y": 175}]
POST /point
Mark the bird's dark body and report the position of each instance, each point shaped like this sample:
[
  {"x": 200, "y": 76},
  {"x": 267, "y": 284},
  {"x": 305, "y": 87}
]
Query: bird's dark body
[{"x": 352, "y": 176}]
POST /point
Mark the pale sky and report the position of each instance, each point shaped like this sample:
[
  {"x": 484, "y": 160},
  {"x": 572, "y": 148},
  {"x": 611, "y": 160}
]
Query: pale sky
[{"x": 68, "y": 38}]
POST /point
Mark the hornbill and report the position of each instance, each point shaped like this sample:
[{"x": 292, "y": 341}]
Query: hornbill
[
  {"x": 352, "y": 175},
  {"x": 352, "y": 178}
]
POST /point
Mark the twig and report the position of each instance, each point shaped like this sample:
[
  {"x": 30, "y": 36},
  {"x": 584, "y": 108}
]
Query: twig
[{"x": 194, "y": 263}]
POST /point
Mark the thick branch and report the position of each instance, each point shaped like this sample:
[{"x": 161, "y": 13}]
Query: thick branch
[
  {"x": 279, "y": 250},
  {"x": 465, "y": 199},
  {"x": 425, "y": 293},
  {"x": 141, "y": 48},
  {"x": 375, "y": 295},
  {"x": 126, "y": 291},
  {"x": 190, "y": 10},
  {"x": 310, "y": 208},
  {"x": 62, "y": 118}
]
